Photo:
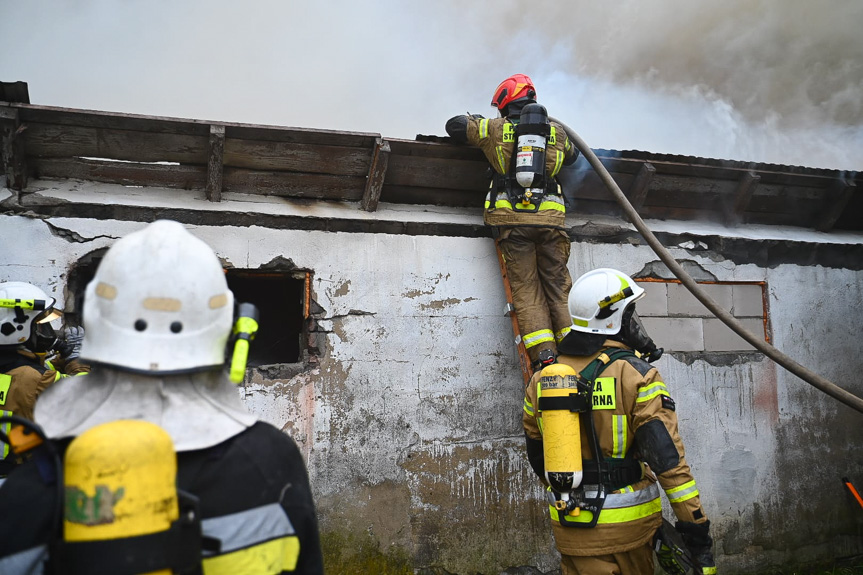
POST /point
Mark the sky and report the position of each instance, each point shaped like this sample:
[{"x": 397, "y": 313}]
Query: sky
[{"x": 769, "y": 81}]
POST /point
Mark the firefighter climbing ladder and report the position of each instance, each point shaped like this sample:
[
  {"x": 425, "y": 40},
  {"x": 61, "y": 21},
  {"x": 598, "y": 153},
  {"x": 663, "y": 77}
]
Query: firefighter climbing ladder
[{"x": 524, "y": 360}]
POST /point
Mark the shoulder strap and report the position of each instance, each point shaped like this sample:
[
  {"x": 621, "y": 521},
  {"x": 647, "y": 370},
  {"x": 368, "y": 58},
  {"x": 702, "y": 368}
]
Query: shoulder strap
[
  {"x": 608, "y": 356},
  {"x": 593, "y": 370}
]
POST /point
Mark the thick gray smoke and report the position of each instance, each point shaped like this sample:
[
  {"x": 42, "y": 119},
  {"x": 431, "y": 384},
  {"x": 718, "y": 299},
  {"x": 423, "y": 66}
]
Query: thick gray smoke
[
  {"x": 766, "y": 81},
  {"x": 771, "y": 80}
]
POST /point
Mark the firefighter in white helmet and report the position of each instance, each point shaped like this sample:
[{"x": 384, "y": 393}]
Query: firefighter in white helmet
[
  {"x": 610, "y": 521},
  {"x": 159, "y": 316},
  {"x": 29, "y": 361}
]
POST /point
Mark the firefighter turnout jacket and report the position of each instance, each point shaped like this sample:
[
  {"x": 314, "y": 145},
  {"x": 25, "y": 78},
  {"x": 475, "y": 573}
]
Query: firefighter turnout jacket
[
  {"x": 635, "y": 421},
  {"x": 496, "y": 138},
  {"x": 23, "y": 376},
  {"x": 255, "y": 506}
]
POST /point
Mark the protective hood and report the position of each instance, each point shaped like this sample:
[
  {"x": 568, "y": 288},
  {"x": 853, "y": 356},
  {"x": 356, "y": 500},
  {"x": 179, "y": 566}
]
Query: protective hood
[
  {"x": 581, "y": 343},
  {"x": 198, "y": 410}
]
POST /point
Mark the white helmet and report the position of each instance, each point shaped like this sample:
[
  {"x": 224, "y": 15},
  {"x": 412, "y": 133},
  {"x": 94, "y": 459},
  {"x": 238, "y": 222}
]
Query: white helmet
[
  {"x": 22, "y": 306},
  {"x": 598, "y": 299},
  {"x": 159, "y": 303}
]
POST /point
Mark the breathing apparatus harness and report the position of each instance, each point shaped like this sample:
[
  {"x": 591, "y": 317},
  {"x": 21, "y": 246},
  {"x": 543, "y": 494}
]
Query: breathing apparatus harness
[
  {"x": 526, "y": 183},
  {"x": 175, "y": 545},
  {"x": 177, "y": 548},
  {"x": 601, "y": 475}
]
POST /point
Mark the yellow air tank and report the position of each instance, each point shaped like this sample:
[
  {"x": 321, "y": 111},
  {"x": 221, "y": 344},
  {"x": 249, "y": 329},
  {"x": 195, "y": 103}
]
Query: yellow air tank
[
  {"x": 120, "y": 482},
  {"x": 561, "y": 433}
]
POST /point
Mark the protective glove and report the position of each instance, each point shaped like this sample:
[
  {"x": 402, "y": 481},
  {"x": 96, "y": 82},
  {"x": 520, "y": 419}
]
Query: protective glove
[
  {"x": 70, "y": 347},
  {"x": 697, "y": 538}
]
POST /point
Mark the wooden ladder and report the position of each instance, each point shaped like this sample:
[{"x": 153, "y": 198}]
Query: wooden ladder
[{"x": 524, "y": 359}]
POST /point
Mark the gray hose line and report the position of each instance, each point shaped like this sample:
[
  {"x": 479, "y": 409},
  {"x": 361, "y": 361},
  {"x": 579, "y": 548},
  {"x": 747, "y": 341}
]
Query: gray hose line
[{"x": 785, "y": 361}]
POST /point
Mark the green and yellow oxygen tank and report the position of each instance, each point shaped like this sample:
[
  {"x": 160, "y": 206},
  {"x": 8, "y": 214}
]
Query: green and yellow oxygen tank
[
  {"x": 120, "y": 481},
  {"x": 561, "y": 432}
]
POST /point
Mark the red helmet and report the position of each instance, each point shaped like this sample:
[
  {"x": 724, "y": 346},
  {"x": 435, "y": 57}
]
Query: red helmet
[{"x": 514, "y": 88}]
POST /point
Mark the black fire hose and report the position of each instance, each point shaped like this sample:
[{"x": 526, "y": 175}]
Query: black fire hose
[{"x": 783, "y": 360}]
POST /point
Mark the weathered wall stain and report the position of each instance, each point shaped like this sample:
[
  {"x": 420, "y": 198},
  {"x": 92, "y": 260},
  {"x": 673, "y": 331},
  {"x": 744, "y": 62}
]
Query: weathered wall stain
[
  {"x": 411, "y": 421},
  {"x": 482, "y": 484},
  {"x": 440, "y": 304},
  {"x": 343, "y": 289},
  {"x": 417, "y": 292}
]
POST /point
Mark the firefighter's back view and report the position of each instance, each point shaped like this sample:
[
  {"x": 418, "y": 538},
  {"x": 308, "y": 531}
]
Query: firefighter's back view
[
  {"x": 164, "y": 469},
  {"x": 601, "y": 431}
]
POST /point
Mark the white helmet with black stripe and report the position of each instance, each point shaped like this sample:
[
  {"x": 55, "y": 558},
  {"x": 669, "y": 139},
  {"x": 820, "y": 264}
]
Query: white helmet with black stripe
[{"x": 23, "y": 307}]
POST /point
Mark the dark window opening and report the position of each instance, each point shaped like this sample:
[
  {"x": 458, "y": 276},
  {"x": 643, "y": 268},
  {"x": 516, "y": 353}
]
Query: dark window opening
[
  {"x": 81, "y": 274},
  {"x": 279, "y": 299}
]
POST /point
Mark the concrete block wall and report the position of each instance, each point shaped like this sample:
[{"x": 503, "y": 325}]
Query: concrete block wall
[
  {"x": 415, "y": 407},
  {"x": 677, "y": 321}
]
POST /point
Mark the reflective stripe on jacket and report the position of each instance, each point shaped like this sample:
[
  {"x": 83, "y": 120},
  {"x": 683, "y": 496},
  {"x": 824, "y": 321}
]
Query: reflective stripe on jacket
[
  {"x": 496, "y": 138},
  {"x": 621, "y": 506},
  {"x": 259, "y": 540},
  {"x": 631, "y": 395},
  {"x": 29, "y": 376}
]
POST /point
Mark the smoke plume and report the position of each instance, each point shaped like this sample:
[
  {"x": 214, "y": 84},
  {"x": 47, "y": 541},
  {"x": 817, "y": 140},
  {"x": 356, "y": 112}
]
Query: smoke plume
[{"x": 755, "y": 80}]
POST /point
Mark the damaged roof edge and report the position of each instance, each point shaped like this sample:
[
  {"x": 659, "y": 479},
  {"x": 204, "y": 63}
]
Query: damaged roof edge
[{"x": 43, "y": 142}]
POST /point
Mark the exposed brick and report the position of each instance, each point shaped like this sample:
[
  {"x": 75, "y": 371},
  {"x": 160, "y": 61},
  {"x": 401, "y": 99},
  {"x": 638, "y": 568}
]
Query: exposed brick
[
  {"x": 683, "y": 303},
  {"x": 655, "y": 300},
  {"x": 675, "y": 334},
  {"x": 748, "y": 300},
  {"x": 719, "y": 337}
]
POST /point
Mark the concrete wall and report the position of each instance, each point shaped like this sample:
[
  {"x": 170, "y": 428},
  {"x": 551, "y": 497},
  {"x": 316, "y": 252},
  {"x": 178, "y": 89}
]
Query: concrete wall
[{"x": 411, "y": 423}]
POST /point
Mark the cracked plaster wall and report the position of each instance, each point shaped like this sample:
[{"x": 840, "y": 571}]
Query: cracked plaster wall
[{"x": 411, "y": 423}]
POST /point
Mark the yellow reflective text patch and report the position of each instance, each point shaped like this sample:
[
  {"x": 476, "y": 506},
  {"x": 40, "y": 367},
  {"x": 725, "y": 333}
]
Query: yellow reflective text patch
[{"x": 603, "y": 393}]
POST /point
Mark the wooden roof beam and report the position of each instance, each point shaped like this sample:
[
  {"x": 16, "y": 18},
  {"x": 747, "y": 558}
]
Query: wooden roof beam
[
  {"x": 12, "y": 148},
  {"x": 837, "y": 199},
  {"x": 377, "y": 174},
  {"x": 637, "y": 192},
  {"x": 746, "y": 187},
  {"x": 215, "y": 163}
]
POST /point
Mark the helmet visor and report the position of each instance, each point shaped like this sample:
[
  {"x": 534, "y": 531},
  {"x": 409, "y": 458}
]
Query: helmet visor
[
  {"x": 44, "y": 338},
  {"x": 48, "y": 316}
]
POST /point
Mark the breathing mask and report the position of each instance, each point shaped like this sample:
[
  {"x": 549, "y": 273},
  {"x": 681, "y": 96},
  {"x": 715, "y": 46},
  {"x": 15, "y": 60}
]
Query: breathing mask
[{"x": 633, "y": 334}]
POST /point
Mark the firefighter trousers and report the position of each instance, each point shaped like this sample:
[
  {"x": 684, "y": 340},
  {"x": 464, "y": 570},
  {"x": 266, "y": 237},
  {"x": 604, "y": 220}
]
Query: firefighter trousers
[
  {"x": 638, "y": 561},
  {"x": 536, "y": 263}
]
